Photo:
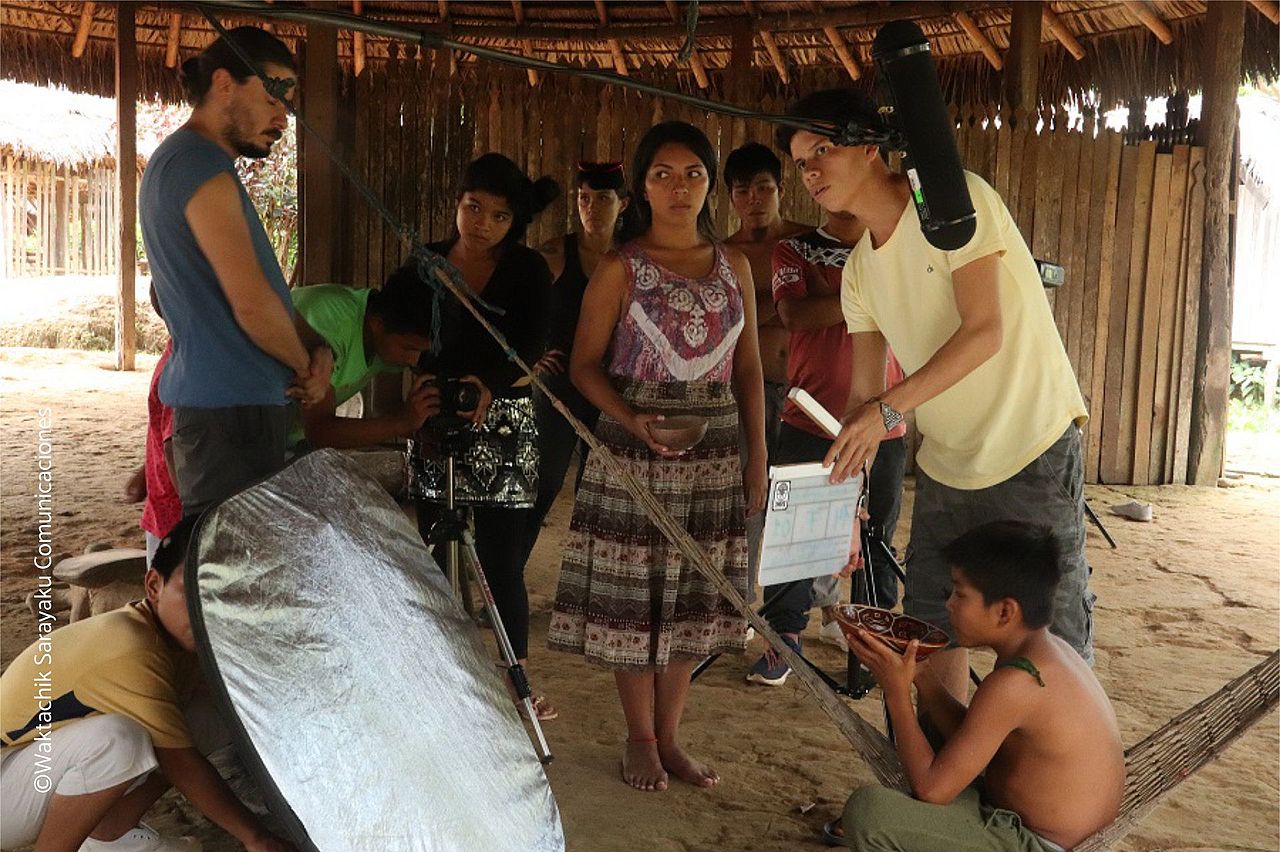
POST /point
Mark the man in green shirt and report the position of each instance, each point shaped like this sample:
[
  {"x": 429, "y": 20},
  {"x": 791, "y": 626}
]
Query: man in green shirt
[{"x": 370, "y": 332}]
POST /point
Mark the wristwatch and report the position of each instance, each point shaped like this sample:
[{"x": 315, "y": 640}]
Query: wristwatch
[{"x": 891, "y": 416}]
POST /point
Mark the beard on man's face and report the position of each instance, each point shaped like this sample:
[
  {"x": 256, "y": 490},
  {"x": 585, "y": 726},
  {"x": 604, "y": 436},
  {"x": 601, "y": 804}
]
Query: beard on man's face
[
  {"x": 244, "y": 141},
  {"x": 252, "y": 149}
]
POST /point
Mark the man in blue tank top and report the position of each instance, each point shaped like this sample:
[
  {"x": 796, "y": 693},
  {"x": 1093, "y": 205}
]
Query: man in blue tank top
[{"x": 236, "y": 354}]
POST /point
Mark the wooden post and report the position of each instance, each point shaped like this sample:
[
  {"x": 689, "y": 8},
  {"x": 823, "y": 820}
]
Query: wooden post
[
  {"x": 742, "y": 46},
  {"x": 1022, "y": 63},
  {"x": 357, "y": 41},
  {"x": 62, "y": 180},
  {"x": 321, "y": 202},
  {"x": 1211, "y": 384},
  {"x": 127, "y": 172}
]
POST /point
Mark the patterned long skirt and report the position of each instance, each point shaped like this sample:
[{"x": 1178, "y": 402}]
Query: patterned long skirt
[
  {"x": 627, "y": 598},
  {"x": 496, "y": 465}
]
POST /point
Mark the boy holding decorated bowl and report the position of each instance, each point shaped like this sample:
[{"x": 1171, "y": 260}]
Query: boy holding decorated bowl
[{"x": 1034, "y": 761}]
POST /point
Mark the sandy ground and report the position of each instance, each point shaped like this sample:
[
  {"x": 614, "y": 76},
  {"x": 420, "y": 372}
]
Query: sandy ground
[{"x": 1185, "y": 603}]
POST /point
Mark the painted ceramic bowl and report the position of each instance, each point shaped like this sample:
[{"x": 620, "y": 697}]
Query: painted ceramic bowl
[
  {"x": 894, "y": 629},
  {"x": 680, "y": 431}
]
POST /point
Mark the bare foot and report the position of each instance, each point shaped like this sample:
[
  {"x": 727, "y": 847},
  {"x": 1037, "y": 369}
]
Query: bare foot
[
  {"x": 641, "y": 766},
  {"x": 680, "y": 764}
]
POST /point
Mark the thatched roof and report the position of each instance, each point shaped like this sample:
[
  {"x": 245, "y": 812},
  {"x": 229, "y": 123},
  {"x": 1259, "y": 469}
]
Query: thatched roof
[
  {"x": 1121, "y": 56},
  {"x": 51, "y": 125}
]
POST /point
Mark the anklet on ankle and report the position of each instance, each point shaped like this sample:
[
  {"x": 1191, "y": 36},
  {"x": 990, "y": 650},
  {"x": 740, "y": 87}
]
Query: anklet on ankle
[{"x": 646, "y": 741}]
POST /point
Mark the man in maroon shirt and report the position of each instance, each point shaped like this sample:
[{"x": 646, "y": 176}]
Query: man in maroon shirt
[{"x": 806, "y": 291}]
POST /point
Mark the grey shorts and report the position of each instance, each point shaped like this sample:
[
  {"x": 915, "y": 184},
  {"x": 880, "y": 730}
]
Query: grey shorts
[
  {"x": 219, "y": 451},
  {"x": 1049, "y": 491}
]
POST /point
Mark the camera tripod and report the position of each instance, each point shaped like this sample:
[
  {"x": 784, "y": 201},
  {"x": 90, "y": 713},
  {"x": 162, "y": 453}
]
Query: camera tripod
[{"x": 453, "y": 530}]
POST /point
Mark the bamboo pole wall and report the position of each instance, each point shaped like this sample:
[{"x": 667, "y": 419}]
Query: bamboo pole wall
[
  {"x": 1125, "y": 221},
  {"x": 56, "y": 219}
]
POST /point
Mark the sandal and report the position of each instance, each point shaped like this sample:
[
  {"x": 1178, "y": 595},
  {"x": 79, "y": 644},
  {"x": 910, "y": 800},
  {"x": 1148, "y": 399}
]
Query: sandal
[
  {"x": 542, "y": 708},
  {"x": 829, "y": 835}
]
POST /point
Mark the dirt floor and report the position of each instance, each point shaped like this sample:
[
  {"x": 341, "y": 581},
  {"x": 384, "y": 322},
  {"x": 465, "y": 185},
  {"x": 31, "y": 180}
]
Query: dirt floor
[{"x": 1185, "y": 604}]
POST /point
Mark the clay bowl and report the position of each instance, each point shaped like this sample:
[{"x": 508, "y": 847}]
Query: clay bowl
[
  {"x": 892, "y": 628},
  {"x": 679, "y": 431}
]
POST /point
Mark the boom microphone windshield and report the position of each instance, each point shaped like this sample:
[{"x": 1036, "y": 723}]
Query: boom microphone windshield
[{"x": 938, "y": 186}]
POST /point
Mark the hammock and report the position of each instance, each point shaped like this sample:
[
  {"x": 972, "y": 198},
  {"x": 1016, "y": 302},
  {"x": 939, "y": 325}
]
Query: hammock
[{"x": 1194, "y": 738}]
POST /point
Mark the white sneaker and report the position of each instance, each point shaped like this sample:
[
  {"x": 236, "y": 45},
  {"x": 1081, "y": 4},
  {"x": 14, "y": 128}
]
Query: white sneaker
[
  {"x": 1134, "y": 511},
  {"x": 142, "y": 838},
  {"x": 833, "y": 635}
]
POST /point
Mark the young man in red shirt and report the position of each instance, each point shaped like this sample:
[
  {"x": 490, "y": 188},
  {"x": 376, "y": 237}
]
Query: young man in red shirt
[{"x": 806, "y": 291}]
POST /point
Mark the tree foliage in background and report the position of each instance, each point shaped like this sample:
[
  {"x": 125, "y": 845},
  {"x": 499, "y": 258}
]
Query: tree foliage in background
[
  {"x": 1248, "y": 381},
  {"x": 272, "y": 182}
]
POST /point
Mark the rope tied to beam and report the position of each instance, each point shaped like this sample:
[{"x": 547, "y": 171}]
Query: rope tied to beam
[{"x": 690, "y": 31}]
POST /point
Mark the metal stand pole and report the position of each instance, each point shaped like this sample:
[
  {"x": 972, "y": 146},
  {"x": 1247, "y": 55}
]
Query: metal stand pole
[
  {"x": 515, "y": 671},
  {"x": 454, "y": 532}
]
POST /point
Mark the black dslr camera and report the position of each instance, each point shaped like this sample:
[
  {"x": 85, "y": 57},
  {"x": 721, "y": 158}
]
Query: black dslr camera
[{"x": 456, "y": 396}]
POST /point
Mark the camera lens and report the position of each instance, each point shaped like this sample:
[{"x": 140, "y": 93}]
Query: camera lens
[{"x": 466, "y": 397}]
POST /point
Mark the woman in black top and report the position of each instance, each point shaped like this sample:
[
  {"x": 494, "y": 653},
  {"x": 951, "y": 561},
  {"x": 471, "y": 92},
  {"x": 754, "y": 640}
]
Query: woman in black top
[
  {"x": 602, "y": 203},
  {"x": 496, "y": 459}
]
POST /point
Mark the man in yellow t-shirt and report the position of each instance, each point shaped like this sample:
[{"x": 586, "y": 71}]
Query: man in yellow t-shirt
[
  {"x": 994, "y": 395},
  {"x": 90, "y": 710}
]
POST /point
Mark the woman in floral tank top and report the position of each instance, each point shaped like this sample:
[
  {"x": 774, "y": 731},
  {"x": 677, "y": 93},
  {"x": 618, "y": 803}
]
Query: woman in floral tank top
[{"x": 667, "y": 327}]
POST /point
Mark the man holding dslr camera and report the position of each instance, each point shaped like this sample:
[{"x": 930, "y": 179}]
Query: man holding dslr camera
[{"x": 373, "y": 332}]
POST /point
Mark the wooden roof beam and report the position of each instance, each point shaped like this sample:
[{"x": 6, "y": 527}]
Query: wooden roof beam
[
  {"x": 695, "y": 61},
  {"x": 1270, "y": 8},
  {"x": 530, "y": 73},
  {"x": 615, "y": 45},
  {"x": 442, "y": 6},
  {"x": 1150, "y": 20},
  {"x": 838, "y": 44},
  {"x": 770, "y": 45},
  {"x": 357, "y": 40},
  {"x": 171, "y": 46},
  {"x": 979, "y": 39},
  {"x": 619, "y": 58},
  {"x": 526, "y": 49},
  {"x": 841, "y": 47},
  {"x": 82, "y": 31},
  {"x": 1059, "y": 30}
]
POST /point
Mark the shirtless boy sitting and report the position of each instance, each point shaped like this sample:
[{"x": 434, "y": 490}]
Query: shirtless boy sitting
[{"x": 1034, "y": 762}]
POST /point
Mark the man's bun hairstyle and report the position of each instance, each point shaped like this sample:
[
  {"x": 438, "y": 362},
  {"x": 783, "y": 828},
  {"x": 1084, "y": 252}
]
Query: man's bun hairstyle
[{"x": 260, "y": 46}]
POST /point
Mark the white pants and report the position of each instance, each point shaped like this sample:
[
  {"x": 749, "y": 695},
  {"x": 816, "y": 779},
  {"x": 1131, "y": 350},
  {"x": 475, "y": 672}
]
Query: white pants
[
  {"x": 86, "y": 756},
  {"x": 98, "y": 752}
]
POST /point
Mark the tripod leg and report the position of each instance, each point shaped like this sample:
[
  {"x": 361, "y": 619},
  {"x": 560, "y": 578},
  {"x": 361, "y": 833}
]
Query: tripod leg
[
  {"x": 515, "y": 671},
  {"x": 1097, "y": 522}
]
